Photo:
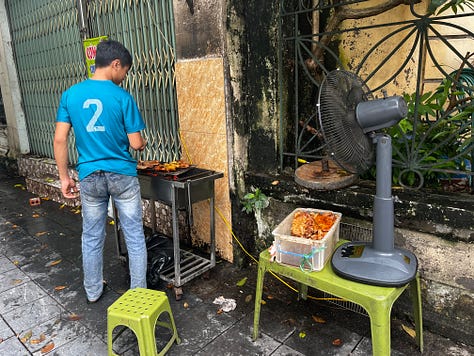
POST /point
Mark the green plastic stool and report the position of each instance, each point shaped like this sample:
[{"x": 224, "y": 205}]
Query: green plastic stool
[
  {"x": 377, "y": 301},
  {"x": 139, "y": 310}
]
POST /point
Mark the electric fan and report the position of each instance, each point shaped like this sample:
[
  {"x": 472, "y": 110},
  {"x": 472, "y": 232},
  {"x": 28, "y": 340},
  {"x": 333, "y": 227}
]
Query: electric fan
[{"x": 349, "y": 118}]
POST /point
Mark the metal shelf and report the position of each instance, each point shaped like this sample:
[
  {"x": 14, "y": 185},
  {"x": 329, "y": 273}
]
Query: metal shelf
[{"x": 191, "y": 265}]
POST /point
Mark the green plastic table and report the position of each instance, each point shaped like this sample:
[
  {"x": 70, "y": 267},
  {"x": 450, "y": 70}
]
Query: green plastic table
[{"x": 377, "y": 301}]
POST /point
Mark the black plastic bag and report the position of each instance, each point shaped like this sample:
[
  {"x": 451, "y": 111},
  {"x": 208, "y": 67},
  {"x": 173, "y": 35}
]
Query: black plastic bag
[{"x": 160, "y": 258}]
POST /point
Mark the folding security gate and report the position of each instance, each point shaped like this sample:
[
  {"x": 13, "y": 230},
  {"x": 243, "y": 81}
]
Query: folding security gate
[{"x": 47, "y": 42}]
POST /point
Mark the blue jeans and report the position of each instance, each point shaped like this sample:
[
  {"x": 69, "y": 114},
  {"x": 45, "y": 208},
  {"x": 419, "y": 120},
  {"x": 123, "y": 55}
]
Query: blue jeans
[{"x": 96, "y": 189}]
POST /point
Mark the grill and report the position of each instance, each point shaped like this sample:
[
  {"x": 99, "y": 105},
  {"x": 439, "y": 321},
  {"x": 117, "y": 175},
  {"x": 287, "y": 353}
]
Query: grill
[{"x": 180, "y": 190}]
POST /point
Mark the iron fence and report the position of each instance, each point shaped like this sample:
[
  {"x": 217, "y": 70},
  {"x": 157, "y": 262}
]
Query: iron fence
[{"x": 435, "y": 140}]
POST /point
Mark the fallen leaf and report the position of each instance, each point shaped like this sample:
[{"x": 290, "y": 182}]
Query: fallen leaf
[
  {"x": 248, "y": 298},
  {"x": 48, "y": 347},
  {"x": 112, "y": 222},
  {"x": 16, "y": 281},
  {"x": 220, "y": 311},
  {"x": 241, "y": 282},
  {"x": 39, "y": 340},
  {"x": 18, "y": 186},
  {"x": 58, "y": 288},
  {"x": 27, "y": 336},
  {"x": 302, "y": 335},
  {"x": 36, "y": 215},
  {"x": 270, "y": 297},
  {"x": 185, "y": 305},
  {"x": 62, "y": 206},
  {"x": 74, "y": 317},
  {"x": 14, "y": 226},
  {"x": 54, "y": 263},
  {"x": 16, "y": 262},
  {"x": 263, "y": 302},
  {"x": 409, "y": 331},
  {"x": 337, "y": 342},
  {"x": 49, "y": 180},
  {"x": 275, "y": 182},
  {"x": 318, "y": 319},
  {"x": 41, "y": 233}
]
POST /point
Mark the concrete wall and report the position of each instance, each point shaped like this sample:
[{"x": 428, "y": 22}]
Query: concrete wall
[{"x": 15, "y": 131}]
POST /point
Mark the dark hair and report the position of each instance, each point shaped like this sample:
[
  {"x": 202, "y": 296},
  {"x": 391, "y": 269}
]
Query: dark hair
[{"x": 108, "y": 51}]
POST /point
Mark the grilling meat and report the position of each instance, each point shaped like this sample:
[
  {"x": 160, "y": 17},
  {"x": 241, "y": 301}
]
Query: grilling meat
[
  {"x": 312, "y": 225},
  {"x": 162, "y": 166}
]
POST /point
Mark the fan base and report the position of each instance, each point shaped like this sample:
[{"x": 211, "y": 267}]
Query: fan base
[
  {"x": 358, "y": 261},
  {"x": 311, "y": 175}
]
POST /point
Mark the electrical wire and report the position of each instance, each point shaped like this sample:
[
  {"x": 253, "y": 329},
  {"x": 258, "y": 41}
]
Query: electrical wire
[{"x": 229, "y": 227}]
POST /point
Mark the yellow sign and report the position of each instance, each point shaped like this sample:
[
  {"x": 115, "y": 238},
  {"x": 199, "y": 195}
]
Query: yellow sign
[{"x": 90, "y": 49}]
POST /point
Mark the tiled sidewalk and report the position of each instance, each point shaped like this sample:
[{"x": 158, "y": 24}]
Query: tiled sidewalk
[{"x": 42, "y": 301}]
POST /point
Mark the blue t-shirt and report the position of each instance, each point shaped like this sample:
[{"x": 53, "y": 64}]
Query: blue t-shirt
[{"x": 101, "y": 114}]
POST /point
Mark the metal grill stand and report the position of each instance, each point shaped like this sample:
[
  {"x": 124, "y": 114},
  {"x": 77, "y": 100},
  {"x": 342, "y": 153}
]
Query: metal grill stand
[{"x": 180, "y": 192}]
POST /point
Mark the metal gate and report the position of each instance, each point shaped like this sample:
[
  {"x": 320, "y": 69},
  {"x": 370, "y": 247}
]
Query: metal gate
[
  {"x": 426, "y": 147},
  {"x": 47, "y": 41}
]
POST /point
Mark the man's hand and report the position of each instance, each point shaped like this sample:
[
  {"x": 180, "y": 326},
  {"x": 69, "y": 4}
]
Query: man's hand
[{"x": 69, "y": 188}]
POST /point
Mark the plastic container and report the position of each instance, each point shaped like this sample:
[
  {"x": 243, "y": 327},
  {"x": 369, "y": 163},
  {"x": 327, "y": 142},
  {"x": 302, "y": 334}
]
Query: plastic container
[{"x": 310, "y": 255}]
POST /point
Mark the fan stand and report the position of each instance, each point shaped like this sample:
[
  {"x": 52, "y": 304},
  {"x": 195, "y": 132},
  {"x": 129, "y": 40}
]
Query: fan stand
[{"x": 378, "y": 263}]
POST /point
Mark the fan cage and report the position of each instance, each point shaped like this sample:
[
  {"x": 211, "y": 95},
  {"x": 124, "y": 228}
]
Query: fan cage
[{"x": 347, "y": 144}]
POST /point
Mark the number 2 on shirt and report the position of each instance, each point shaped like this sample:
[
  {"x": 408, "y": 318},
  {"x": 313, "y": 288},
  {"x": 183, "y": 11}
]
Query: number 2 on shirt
[{"x": 91, "y": 126}]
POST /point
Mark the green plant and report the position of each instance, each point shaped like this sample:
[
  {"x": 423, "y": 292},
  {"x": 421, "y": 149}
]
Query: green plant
[
  {"x": 254, "y": 201},
  {"x": 435, "y": 137}
]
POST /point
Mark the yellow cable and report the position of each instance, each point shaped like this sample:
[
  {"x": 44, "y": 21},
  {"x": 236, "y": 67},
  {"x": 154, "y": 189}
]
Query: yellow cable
[
  {"x": 254, "y": 259},
  {"x": 185, "y": 148},
  {"x": 237, "y": 240}
]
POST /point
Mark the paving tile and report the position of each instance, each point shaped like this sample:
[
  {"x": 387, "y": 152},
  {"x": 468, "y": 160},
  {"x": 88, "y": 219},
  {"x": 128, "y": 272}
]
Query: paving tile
[
  {"x": 6, "y": 264},
  {"x": 5, "y": 330},
  {"x": 240, "y": 337},
  {"x": 60, "y": 331},
  {"x": 207, "y": 325},
  {"x": 12, "y": 278},
  {"x": 92, "y": 315},
  {"x": 13, "y": 347},
  {"x": 20, "y": 247},
  {"x": 19, "y": 295},
  {"x": 284, "y": 350},
  {"x": 84, "y": 345},
  {"x": 23, "y": 318}
]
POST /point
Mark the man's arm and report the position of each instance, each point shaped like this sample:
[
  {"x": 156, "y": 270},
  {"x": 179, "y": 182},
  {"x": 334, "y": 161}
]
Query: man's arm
[
  {"x": 68, "y": 185},
  {"x": 137, "y": 142}
]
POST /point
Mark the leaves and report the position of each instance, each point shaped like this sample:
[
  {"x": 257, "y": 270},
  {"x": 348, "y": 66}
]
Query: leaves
[
  {"x": 53, "y": 263},
  {"x": 49, "y": 346},
  {"x": 242, "y": 282},
  {"x": 318, "y": 319},
  {"x": 26, "y": 336},
  {"x": 74, "y": 317},
  {"x": 39, "y": 340},
  {"x": 409, "y": 331},
  {"x": 337, "y": 342},
  {"x": 59, "y": 288},
  {"x": 254, "y": 201}
]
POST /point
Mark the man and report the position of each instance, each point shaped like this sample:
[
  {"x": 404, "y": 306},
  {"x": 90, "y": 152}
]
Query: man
[{"x": 106, "y": 124}]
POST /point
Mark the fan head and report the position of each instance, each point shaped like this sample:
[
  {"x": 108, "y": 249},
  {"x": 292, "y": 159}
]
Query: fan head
[{"x": 346, "y": 141}]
